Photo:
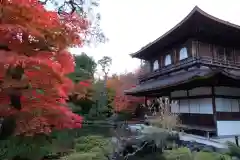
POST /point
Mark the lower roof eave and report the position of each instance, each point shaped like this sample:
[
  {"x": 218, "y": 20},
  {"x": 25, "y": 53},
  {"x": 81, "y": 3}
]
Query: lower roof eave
[{"x": 191, "y": 79}]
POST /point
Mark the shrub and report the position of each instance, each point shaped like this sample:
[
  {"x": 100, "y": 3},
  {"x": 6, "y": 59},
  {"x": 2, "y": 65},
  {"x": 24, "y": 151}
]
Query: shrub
[
  {"x": 36, "y": 147},
  {"x": 180, "y": 153},
  {"x": 86, "y": 143},
  {"x": 85, "y": 156},
  {"x": 91, "y": 147},
  {"x": 234, "y": 150},
  {"x": 210, "y": 156}
]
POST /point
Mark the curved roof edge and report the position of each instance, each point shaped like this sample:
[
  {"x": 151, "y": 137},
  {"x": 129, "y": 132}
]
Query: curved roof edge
[
  {"x": 195, "y": 9},
  {"x": 181, "y": 78}
]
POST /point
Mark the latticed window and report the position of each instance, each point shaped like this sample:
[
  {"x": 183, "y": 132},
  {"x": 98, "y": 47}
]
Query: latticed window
[
  {"x": 225, "y": 54},
  {"x": 183, "y": 54},
  {"x": 155, "y": 65},
  {"x": 220, "y": 53},
  {"x": 168, "y": 60}
]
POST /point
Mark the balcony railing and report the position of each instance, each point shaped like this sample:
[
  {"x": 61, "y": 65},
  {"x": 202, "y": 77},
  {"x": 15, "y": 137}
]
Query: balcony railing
[{"x": 190, "y": 62}]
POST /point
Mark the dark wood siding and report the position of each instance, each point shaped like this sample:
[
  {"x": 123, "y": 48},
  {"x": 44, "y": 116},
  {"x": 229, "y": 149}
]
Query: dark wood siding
[
  {"x": 237, "y": 55},
  {"x": 201, "y": 120},
  {"x": 204, "y": 49},
  {"x": 228, "y": 116}
]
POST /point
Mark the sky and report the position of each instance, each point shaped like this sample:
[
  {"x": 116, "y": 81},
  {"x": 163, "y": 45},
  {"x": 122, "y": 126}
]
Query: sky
[{"x": 132, "y": 24}]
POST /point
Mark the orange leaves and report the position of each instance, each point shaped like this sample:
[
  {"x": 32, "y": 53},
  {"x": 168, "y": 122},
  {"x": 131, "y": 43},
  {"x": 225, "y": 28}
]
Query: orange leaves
[
  {"x": 81, "y": 90},
  {"x": 119, "y": 84},
  {"x": 35, "y": 40},
  {"x": 30, "y": 11},
  {"x": 43, "y": 88},
  {"x": 67, "y": 60},
  {"x": 25, "y": 25}
]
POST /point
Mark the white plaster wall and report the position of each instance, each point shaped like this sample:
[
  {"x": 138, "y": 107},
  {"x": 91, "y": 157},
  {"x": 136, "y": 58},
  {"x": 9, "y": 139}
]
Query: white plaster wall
[
  {"x": 201, "y": 106},
  {"x": 227, "y": 91},
  {"x": 181, "y": 93},
  {"x": 227, "y": 105},
  {"x": 205, "y": 106},
  {"x": 198, "y": 106},
  {"x": 226, "y": 128},
  {"x": 175, "y": 107},
  {"x": 194, "y": 106},
  {"x": 200, "y": 91},
  {"x": 184, "y": 106},
  {"x": 235, "y": 105}
]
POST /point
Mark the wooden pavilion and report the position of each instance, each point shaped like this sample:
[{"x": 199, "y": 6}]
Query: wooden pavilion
[{"x": 196, "y": 63}]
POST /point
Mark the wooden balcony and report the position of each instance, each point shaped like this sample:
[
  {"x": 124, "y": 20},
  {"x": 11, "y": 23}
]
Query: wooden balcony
[{"x": 190, "y": 62}]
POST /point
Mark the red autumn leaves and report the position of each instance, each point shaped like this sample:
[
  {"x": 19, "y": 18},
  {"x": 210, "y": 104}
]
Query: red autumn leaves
[
  {"x": 34, "y": 63},
  {"x": 121, "y": 83},
  {"x": 81, "y": 90}
]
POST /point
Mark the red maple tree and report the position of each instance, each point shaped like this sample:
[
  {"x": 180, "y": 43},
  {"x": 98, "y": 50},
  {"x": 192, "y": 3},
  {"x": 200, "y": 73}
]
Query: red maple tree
[
  {"x": 120, "y": 83},
  {"x": 34, "y": 62},
  {"x": 81, "y": 90}
]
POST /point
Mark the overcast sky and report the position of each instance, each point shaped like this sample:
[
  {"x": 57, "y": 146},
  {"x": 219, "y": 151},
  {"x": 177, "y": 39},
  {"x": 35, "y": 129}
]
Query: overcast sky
[{"x": 131, "y": 24}]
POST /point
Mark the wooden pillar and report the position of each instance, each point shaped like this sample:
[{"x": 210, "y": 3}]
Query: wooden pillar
[
  {"x": 169, "y": 96},
  {"x": 214, "y": 107},
  {"x": 175, "y": 60},
  {"x": 145, "y": 100},
  {"x": 188, "y": 101},
  {"x": 197, "y": 48}
]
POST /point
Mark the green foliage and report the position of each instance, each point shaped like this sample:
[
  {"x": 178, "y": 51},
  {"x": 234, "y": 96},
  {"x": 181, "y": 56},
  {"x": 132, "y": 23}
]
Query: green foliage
[
  {"x": 180, "y": 153},
  {"x": 234, "y": 150},
  {"x": 111, "y": 94},
  {"x": 210, "y": 156},
  {"x": 185, "y": 154},
  {"x": 98, "y": 109},
  {"x": 84, "y": 144},
  {"x": 85, "y": 62},
  {"x": 123, "y": 116},
  {"x": 85, "y": 156},
  {"x": 81, "y": 106},
  {"x": 85, "y": 68},
  {"x": 105, "y": 63},
  {"x": 36, "y": 147},
  {"x": 24, "y": 147},
  {"x": 91, "y": 147}
]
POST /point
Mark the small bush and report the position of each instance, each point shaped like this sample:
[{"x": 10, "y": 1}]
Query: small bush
[
  {"x": 90, "y": 148},
  {"x": 234, "y": 150},
  {"x": 180, "y": 153},
  {"x": 85, "y": 156},
  {"x": 210, "y": 156},
  {"x": 87, "y": 143}
]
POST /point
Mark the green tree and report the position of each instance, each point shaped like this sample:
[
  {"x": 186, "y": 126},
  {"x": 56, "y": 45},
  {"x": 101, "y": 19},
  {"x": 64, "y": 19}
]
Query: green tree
[
  {"x": 105, "y": 64},
  {"x": 85, "y": 68},
  {"x": 98, "y": 111}
]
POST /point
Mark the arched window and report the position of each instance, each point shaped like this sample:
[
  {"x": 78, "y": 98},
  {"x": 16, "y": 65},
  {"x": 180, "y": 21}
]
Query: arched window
[
  {"x": 168, "y": 60},
  {"x": 183, "y": 53},
  {"x": 155, "y": 65}
]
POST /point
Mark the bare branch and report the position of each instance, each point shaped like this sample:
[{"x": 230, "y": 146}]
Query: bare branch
[{"x": 137, "y": 150}]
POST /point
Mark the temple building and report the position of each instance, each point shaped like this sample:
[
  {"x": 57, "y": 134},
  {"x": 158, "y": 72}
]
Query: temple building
[{"x": 196, "y": 63}]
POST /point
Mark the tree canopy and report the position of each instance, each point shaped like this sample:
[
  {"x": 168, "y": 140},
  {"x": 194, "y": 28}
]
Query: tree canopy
[
  {"x": 105, "y": 63},
  {"x": 85, "y": 68},
  {"x": 119, "y": 84},
  {"x": 33, "y": 67}
]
